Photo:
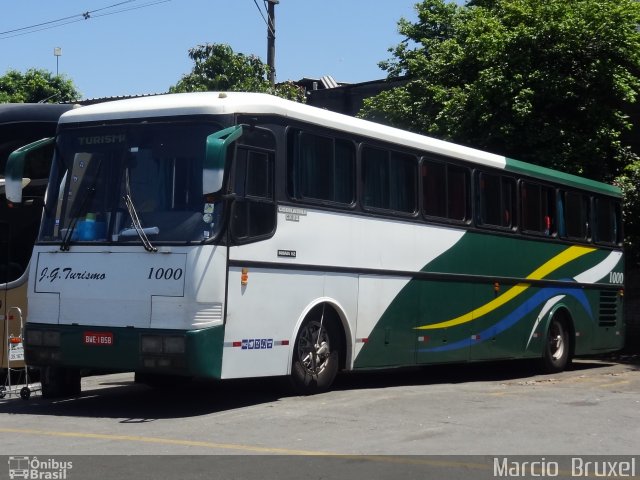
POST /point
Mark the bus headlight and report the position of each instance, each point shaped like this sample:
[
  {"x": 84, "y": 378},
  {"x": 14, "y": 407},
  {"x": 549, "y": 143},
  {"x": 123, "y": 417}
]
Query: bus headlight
[
  {"x": 157, "y": 344},
  {"x": 51, "y": 338},
  {"x": 175, "y": 344},
  {"x": 34, "y": 337},
  {"x": 151, "y": 344}
]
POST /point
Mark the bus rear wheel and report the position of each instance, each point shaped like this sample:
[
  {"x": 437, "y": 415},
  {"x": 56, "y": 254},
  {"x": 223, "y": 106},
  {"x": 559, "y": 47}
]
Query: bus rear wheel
[
  {"x": 555, "y": 357},
  {"x": 316, "y": 356}
]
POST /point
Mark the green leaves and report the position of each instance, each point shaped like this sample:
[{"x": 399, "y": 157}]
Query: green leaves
[
  {"x": 35, "y": 86},
  {"x": 629, "y": 182},
  {"x": 218, "y": 68},
  {"x": 543, "y": 81}
]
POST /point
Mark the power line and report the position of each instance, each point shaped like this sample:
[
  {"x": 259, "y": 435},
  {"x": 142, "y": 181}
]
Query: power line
[
  {"x": 266, "y": 22},
  {"x": 39, "y": 29},
  {"x": 270, "y": 24},
  {"x": 75, "y": 18},
  {"x": 37, "y": 25},
  {"x": 84, "y": 16},
  {"x": 110, "y": 6},
  {"x": 150, "y": 4}
]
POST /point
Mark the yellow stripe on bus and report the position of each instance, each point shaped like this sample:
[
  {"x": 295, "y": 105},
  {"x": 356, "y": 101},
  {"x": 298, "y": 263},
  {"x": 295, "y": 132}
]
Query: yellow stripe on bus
[{"x": 556, "y": 262}]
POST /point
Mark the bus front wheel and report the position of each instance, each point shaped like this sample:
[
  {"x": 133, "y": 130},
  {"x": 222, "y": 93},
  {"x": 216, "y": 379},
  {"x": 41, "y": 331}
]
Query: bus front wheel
[
  {"x": 316, "y": 355},
  {"x": 60, "y": 382},
  {"x": 555, "y": 357}
]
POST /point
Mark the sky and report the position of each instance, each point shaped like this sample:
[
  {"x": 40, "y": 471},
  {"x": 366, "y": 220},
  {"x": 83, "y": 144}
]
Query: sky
[{"x": 141, "y": 46}]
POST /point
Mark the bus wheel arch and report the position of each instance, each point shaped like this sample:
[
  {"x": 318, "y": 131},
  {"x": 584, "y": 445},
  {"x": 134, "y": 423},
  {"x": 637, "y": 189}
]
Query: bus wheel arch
[
  {"x": 559, "y": 341},
  {"x": 319, "y": 348}
]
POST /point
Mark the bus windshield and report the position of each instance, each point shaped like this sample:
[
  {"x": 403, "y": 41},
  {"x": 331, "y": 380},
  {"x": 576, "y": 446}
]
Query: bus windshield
[{"x": 132, "y": 183}]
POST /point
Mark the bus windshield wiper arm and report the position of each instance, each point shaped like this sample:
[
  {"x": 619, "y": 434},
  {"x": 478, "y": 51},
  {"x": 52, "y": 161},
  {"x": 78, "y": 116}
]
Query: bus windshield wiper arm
[
  {"x": 66, "y": 241},
  {"x": 135, "y": 220}
]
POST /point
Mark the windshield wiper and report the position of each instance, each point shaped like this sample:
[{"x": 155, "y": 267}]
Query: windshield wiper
[
  {"x": 135, "y": 221},
  {"x": 66, "y": 241}
]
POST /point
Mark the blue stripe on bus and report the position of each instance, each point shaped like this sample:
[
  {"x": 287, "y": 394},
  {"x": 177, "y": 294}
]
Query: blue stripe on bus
[{"x": 515, "y": 316}]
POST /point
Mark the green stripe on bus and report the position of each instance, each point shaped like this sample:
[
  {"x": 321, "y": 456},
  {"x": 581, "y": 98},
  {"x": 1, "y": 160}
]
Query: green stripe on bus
[
  {"x": 400, "y": 336},
  {"x": 556, "y": 176}
]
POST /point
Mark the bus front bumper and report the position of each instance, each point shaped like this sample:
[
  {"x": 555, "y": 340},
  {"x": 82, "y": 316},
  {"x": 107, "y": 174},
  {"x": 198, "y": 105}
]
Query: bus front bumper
[{"x": 192, "y": 353}]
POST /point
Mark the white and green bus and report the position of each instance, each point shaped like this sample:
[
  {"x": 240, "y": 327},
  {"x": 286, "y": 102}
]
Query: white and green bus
[{"x": 229, "y": 235}]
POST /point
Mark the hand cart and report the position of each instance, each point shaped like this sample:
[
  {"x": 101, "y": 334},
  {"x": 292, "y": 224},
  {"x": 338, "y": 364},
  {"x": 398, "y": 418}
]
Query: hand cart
[{"x": 17, "y": 381}]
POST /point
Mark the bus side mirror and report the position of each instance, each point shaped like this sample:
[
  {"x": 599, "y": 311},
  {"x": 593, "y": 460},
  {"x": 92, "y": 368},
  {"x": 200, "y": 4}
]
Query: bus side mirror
[
  {"x": 215, "y": 158},
  {"x": 14, "y": 182}
]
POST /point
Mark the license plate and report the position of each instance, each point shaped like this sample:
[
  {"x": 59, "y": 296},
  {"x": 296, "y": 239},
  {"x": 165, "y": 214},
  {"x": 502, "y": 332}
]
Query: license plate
[{"x": 97, "y": 338}]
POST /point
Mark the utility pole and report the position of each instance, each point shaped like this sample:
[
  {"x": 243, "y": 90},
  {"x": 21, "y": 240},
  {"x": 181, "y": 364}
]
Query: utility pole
[
  {"x": 57, "y": 52},
  {"x": 271, "y": 40}
]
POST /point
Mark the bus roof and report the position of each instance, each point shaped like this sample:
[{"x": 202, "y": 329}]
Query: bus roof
[
  {"x": 208, "y": 103},
  {"x": 32, "y": 112}
]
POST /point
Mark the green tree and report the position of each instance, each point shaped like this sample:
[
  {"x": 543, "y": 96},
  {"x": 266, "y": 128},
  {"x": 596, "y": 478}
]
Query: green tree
[
  {"x": 36, "y": 85},
  {"x": 629, "y": 182},
  {"x": 218, "y": 68},
  {"x": 544, "y": 81}
]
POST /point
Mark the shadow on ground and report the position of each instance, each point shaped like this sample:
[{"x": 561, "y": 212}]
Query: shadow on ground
[{"x": 130, "y": 402}]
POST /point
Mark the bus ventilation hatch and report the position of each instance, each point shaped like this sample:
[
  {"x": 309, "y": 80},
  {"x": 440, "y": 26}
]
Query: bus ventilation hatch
[{"x": 608, "y": 308}]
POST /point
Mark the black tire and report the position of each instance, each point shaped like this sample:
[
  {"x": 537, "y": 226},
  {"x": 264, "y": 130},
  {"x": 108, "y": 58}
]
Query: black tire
[
  {"x": 556, "y": 353},
  {"x": 25, "y": 393},
  {"x": 60, "y": 382},
  {"x": 316, "y": 355}
]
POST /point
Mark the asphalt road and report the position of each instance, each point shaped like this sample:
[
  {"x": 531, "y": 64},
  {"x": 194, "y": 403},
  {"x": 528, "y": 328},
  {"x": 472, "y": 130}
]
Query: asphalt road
[{"x": 481, "y": 409}]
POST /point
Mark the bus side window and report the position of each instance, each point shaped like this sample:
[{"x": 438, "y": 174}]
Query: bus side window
[
  {"x": 497, "y": 198},
  {"x": 254, "y": 211},
  {"x": 321, "y": 168},
  {"x": 607, "y": 219},
  {"x": 445, "y": 191},
  {"x": 434, "y": 189},
  {"x": 458, "y": 193},
  {"x": 538, "y": 209},
  {"x": 389, "y": 180},
  {"x": 574, "y": 215},
  {"x": 9, "y": 271}
]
